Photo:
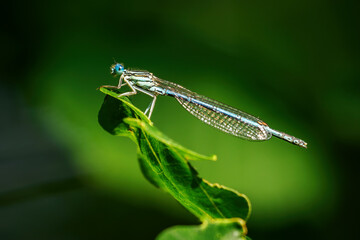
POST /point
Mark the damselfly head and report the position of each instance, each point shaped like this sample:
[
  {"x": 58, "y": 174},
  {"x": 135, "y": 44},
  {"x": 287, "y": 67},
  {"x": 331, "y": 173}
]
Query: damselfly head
[{"x": 116, "y": 69}]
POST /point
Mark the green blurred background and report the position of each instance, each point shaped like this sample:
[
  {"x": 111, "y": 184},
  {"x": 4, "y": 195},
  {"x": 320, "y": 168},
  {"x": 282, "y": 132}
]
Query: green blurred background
[{"x": 294, "y": 64}]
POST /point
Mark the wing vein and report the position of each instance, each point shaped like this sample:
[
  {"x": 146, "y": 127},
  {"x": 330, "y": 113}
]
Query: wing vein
[{"x": 219, "y": 115}]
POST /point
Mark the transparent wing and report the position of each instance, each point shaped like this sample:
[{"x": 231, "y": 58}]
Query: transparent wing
[{"x": 216, "y": 114}]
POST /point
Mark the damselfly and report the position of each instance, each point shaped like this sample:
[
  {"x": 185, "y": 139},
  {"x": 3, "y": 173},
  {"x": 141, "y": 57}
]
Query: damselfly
[{"x": 211, "y": 112}]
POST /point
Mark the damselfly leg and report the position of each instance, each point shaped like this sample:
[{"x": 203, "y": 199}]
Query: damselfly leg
[
  {"x": 133, "y": 92},
  {"x": 118, "y": 86},
  {"x": 150, "y": 108}
]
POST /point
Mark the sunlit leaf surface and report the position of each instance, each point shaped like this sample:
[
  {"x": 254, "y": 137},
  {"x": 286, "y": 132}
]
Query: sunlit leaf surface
[
  {"x": 165, "y": 163},
  {"x": 219, "y": 229}
]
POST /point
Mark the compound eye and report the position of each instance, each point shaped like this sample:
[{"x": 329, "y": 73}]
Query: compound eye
[{"x": 119, "y": 68}]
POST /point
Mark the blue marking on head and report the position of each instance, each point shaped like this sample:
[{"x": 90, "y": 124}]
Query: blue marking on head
[{"x": 117, "y": 69}]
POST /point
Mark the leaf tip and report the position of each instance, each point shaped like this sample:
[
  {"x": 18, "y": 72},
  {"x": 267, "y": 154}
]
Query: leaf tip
[{"x": 102, "y": 89}]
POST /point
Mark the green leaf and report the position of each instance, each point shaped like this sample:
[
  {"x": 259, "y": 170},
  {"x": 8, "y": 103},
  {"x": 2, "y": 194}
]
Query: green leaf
[
  {"x": 219, "y": 229},
  {"x": 165, "y": 163}
]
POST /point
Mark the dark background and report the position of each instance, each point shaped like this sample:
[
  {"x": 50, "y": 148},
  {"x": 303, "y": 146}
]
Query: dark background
[{"x": 295, "y": 64}]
